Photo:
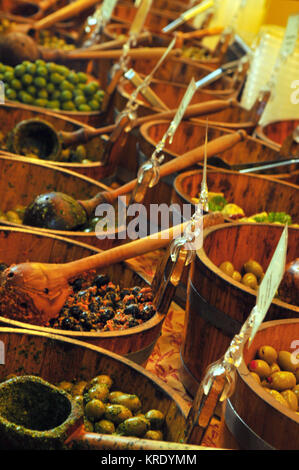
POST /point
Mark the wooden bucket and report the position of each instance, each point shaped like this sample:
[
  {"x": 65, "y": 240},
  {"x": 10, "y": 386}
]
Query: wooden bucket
[
  {"x": 253, "y": 193},
  {"x": 136, "y": 343},
  {"x": 35, "y": 353},
  {"x": 252, "y": 419},
  {"x": 190, "y": 135},
  {"x": 12, "y": 113},
  {"x": 23, "y": 179},
  {"x": 217, "y": 305},
  {"x": 276, "y": 133}
]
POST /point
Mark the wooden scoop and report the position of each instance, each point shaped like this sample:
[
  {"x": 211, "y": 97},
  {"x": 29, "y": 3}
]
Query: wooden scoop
[
  {"x": 31, "y": 9},
  {"x": 50, "y": 142},
  {"x": 36, "y": 415},
  {"x": 58, "y": 211},
  {"x": 16, "y": 47}
]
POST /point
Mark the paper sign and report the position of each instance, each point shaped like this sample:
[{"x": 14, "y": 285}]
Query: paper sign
[
  {"x": 140, "y": 17},
  {"x": 107, "y": 9},
  {"x": 270, "y": 283},
  {"x": 181, "y": 110},
  {"x": 291, "y": 36}
]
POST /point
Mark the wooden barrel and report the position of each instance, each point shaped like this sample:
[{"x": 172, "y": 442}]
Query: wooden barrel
[
  {"x": 276, "y": 133},
  {"x": 217, "y": 305},
  {"x": 253, "y": 193},
  {"x": 75, "y": 360},
  {"x": 190, "y": 135},
  {"x": 136, "y": 343},
  {"x": 252, "y": 419},
  {"x": 23, "y": 179},
  {"x": 12, "y": 113}
]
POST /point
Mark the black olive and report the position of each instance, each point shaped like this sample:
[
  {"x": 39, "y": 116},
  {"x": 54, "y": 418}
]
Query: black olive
[
  {"x": 132, "y": 323},
  {"x": 101, "y": 280},
  {"x": 135, "y": 290},
  {"x": 68, "y": 323},
  {"x": 77, "y": 284},
  {"x": 131, "y": 309},
  {"x": 75, "y": 311},
  {"x": 124, "y": 292},
  {"x": 148, "y": 310},
  {"x": 106, "y": 314}
]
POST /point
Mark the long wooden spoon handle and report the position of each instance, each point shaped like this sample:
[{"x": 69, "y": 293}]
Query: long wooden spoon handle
[
  {"x": 64, "y": 13},
  {"x": 138, "y": 53}
]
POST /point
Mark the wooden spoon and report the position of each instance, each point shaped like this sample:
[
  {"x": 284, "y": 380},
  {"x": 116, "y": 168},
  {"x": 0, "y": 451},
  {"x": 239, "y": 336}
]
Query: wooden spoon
[
  {"x": 31, "y": 9},
  {"x": 67, "y": 429},
  {"x": 16, "y": 47},
  {"x": 58, "y": 211},
  {"x": 36, "y": 129}
]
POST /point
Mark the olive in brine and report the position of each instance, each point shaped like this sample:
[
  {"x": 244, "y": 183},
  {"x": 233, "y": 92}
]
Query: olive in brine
[
  {"x": 101, "y": 379},
  {"x": 104, "y": 427},
  {"x": 156, "y": 418},
  {"x": 135, "y": 426},
  {"x": 291, "y": 399},
  {"x": 154, "y": 435},
  {"x": 95, "y": 409},
  {"x": 250, "y": 280},
  {"x": 252, "y": 266},
  {"x": 130, "y": 401},
  {"x": 117, "y": 413},
  {"x": 98, "y": 391},
  {"x": 268, "y": 354},
  {"x": 286, "y": 362},
  {"x": 227, "y": 267},
  {"x": 278, "y": 396},
  {"x": 260, "y": 367},
  {"x": 282, "y": 380},
  {"x": 66, "y": 386}
]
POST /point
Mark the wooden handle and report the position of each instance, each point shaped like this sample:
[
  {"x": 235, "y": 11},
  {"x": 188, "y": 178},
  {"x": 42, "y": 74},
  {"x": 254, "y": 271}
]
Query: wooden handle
[
  {"x": 92, "y": 441},
  {"x": 45, "y": 4},
  {"x": 64, "y": 13},
  {"x": 122, "y": 252},
  {"x": 138, "y": 53}
]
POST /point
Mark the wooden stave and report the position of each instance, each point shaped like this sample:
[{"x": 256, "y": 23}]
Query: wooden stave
[
  {"x": 272, "y": 416},
  {"x": 215, "y": 327},
  {"x": 135, "y": 343}
]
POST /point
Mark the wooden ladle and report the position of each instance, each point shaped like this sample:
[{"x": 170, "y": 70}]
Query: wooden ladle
[
  {"x": 58, "y": 211},
  {"x": 36, "y": 415},
  {"x": 15, "y": 47},
  {"x": 33, "y": 10},
  {"x": 37, "y": 291},
  {"x": 44, "y": 136}
]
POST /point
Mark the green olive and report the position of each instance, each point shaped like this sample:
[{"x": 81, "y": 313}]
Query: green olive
[
  {"x": 278, "y": 396},
  {"x": 227, "y": 267},
  {"x": 250, "y": 280},
  {"x": 285, "y": 361},
  {"x": 156, "y": 418},
  {"x": 268, "y": 354},
  {"x": 94, "y": 409},
  {"x": 260, "y": 367},
  {"x": 117, "y": 413},
  {"x": 252, "y": 266},
  {"x": 135, "y": 426},
  {"x": 114, "y": 394},
  {"x": 282, "y": 380},
  {"x": 66, "y": 386},
  {"x": 78, "y": 388},
  {"x": 237, "y": 276},
  {"x": 88, "y": 425},
  {"x": 98, "y": 391},
  {"x": 104, "y": 427},
  {"x": 130, "y": 401},
  {"x": 291, "y": 398},
  {"x": 256, "y": 377},
  {"x": 274, "y": 367},
  {"x": 102, "y": 379},
  {"x": 155, "y": 435},
  {"x": 296, "y": 391}
]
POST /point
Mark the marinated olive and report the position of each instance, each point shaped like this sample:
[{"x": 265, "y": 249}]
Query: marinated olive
[
  {"x": 130, "y": 401},
  {"x": 250, "y": 280},
  {"x": 135, "y": 426},
  {"x": 296, "y": 391},
  {"x": 260, "y": 367},
  {"x": 155, "y": 435},
  {"x": 78, "y": 388},
  {"x": 286, "y": 362},
  {"x": 227, "y": 267},
  {"x": 95, "y": 409},
  {"x": 237, "y": 276},
  {"x": 104, "y": 427},
  {"x": 88, "y": 425},
  {"x": 98, "y": 391},
  {"x": 156, "y": 418},
  {"x": 66, "y": 386},
  {"x": 113, "y": 395},
  {"x": 291, "y": 399},
  {"x": 282, "y": 380},
  {"x": 268, "y": 354},
  {"x": 278, "y": 396},
  {"x": 274, "y": 367},
  {"x": 254, "y": 267},
  {"x": 256, "y": 377},
  {"x": 102, "y": 379},
  {"x": 117, "y": 413}
]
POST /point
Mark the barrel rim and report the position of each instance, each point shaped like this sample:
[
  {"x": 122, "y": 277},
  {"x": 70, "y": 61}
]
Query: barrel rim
[
  {"x": 244, "y": 374},
  {"x": 202, "y": 256}
]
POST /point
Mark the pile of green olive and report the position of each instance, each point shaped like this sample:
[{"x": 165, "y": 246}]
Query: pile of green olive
[
  {"x": 51, "y": 41},
  {"x": 278, "y": 373},
  {"x": 108, "y": 411},
  {"x": 251, "y": 273},
  {"x": 50, "y": 85},
  {"x": 195, "y": 53}
]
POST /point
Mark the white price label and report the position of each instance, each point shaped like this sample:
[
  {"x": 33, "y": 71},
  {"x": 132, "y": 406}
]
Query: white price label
[
  {"x": 270, "y": 283},
  {"x": 291, "y": 36}
]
